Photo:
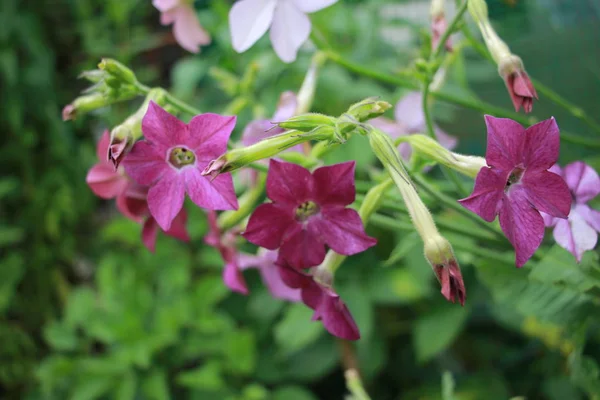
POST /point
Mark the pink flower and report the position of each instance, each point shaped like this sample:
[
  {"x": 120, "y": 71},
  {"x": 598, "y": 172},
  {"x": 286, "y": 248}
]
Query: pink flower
[
  {"x": 171, "y": 158},
  {"x": 517, "y": 186},
  {"x": 450, "y": 278},
  {"x": 328, "y": 307},
  {"x": 104, "y": 180},
  {"x": 520, "y": 89},
  {"x": 186, "y": 28},
  {"x": 580, "y": 232},
  {"x": 249, "y": 20},
  {"x": 438, "y": 27},
  {"x": 410, "y": 119},
  {"x": 308, "y": 212},
  {"x": 264, "y": 261},
  {"x": 225, "y": 243}
]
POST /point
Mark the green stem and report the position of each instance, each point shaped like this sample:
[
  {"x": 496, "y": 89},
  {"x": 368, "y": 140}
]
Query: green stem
[{"x": 172, "y": 100}]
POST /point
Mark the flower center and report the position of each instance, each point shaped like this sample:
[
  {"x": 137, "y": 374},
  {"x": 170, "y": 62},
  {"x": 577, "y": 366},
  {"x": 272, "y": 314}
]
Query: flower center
[
  {"x": 180, "y": 157},
  {"x": 514, "y": 177},
  {"x": 306, "y": 210}
]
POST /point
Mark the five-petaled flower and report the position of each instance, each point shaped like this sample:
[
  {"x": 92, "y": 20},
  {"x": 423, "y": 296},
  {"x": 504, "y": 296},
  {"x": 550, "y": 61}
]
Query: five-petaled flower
[
  {"x": 517, "y": 185},
  {"x": 327, "y": 305},
  {"x": 308, "y": 211},
  {"x": 517, "y": 83},
  {"x": 249, "y": 20},
  {"x": 186, "y": 28},
  {"x": 580, "y": 232},
  {"x": 410, "y": 119},
  {"x": 171, "y": 158}
]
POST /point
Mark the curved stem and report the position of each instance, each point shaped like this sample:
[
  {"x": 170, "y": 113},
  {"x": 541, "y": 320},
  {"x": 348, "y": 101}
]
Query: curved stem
[{"x": 451, "y": 28}]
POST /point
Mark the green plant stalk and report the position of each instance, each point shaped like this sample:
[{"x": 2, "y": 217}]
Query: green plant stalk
[
  {"x": 355, "y": 386},
  {"x": 247, "y": 203}
]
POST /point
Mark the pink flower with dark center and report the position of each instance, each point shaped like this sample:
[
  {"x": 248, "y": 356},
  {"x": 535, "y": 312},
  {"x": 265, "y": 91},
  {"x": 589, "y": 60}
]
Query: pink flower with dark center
[
  {"x": 186, "y": 28},
  {"x": 520, "y": 89},
  {"x": 225, "y": 243},
  {"x": 410, "y": 119},
  {"x": 450, "y": 278},
  {"x": 517, "y": 185},
  {"x": 171, "y": 158},
  {"x": 264, "y": 261},
  {"x": 308, "y": 212},
  {"x": 327, "y": 304},
  {"x": 580, "y": 232}
]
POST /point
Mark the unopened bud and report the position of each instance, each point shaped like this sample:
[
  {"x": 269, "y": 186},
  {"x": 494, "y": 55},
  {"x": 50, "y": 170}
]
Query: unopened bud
[
  {"x": 84, "y": 104},
  {"x": 433, "y": 150},
  {"x": 368, "y": 109},
  {"x": 306, "y": 122},
  {"x": 266, "y": 148},
  {"x": 118, "y": 70},
  {"x": 437, "y": 9},
  {"x": 479, "y": 11},
  {"x": 440, "y": 255},
  {"x": 94, "y": 76}
]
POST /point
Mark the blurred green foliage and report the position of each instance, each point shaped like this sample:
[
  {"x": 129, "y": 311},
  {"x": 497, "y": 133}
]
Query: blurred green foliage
[{"x": 87, "y": 312}]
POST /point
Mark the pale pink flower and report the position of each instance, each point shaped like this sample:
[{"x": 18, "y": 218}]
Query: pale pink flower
[{"x": 186, "y": 28}]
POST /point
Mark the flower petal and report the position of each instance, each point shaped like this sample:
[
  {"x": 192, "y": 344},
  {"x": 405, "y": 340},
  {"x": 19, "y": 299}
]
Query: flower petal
[
  {"x": 303, "y": 250},
  {"x": 541, "y": 145},
  {"x": 102, "y": 146},
  {"x": 187, "y": 29},
  {"x": 165, "y": 199},
  {"x": 135, "y": 209},
  {"x": 487, "y": 193},
  {"x": 209, "y": 134},
  {"x": 336, "y": 317},
  {"x": 575, "y": 235},
  {"x": 505, "y": 142},
  {"x": 144, "y": 165},
  {"x": 334, "y": 184},
  {"x": 286, "y": 107},
  {"x": 162, "y": 129},
  {"x": 215, "y": 194},
  {"x": 258, "y": 130},
  {"x": 149, "y": 233},
  {"x": 289, "y": 30},
  {"x": 548, "y": 192},
  {"x": 289, "y": 183},
  {"x": 234, "y": 279},
  {"x": 105, "y": 182},
  {"x": 308, "y": 6},
  {"x": 522, "y": 224},
  {"x": 249, "y": 20},
  {"x": 446, "y": 140},
  {"x": 265, "y": 262},
  {"x": 583, "y": 181},
  {"x": 342, "y": 230},
  {"x": 178, "y": 227},
  {"x": 267, "y": 226},
  {"x": 409, "y": 112},
  {"x": 592, "y": 217},
  {"x": 164, "y": 5}
]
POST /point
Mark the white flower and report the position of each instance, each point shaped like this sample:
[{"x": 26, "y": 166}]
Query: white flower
[{"x": 290, "y": 26}]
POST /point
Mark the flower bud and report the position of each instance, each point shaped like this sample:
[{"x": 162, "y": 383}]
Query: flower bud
[
  {"x": 306, "y": 122},
  {"x": 266, "y": 148},
  {"x": 118, "y": 70},
  {"x": 368, "y": 108},
  {"x": 479, "y": 11},
  {"x": 307, "y": 90},
  {"x": 438, "y": 252},
  {"x": 84, "y": 104},
  {"x": 433, "y": 150}
]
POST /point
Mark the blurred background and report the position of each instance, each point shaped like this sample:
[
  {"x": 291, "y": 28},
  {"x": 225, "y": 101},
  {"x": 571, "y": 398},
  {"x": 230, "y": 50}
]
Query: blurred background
[{"x": 86, "y": 312}]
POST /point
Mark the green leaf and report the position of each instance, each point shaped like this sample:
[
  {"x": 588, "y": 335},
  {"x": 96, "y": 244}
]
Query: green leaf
[
  {"x": 240, "y": 350},
  {"x": 405, "y": 245},
  {"x": 292, "y": 393},
  {"x": 207, "y": 377},
  {"x": 435, "y": 331},
  {"x": 448, "y": 386},
  {"x": 296, "y": 331},
  {"x": 10, "y": 235},
  {"x": 186, "y": 75},
  {"x": 60, "y": 336},
  {"x": 585, "y": 373},
  {"x": 155, "y": 386},
  {"x": 126, "y": 389},
  {"x": 11, "y": 271}
]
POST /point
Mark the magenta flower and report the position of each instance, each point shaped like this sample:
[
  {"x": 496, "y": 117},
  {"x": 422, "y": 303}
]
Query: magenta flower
[
  {"x": 517, "y": 184},
  {"x": 249, "y": 20},
  {"x": 225, "y": 243},
  {"x": 451, "y": 281},
  {"x": 308, "y": 212},
  {"x": 264, "y": 261},
  {"x": 327, "y": 304},
  {"x": 520, "y": 89},
  {"x": 186, "y": 28},
  {"x": 410, "y": 119},
  {"x": 580, "y": 232},
  {"x": 171, "y": 158}
]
